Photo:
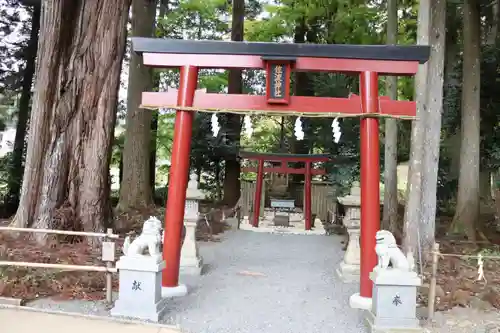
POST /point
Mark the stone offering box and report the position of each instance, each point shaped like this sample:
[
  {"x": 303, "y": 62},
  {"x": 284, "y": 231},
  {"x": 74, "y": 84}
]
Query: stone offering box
[
  {"x": 140, "y": 288},
  {"x": 394, "y": 302}
]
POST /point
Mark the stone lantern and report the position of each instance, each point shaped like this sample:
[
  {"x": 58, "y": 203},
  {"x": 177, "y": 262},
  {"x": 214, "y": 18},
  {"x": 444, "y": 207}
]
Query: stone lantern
[
  {"x": 349, "y": 270},
  {"x": 191, "y": 261}
]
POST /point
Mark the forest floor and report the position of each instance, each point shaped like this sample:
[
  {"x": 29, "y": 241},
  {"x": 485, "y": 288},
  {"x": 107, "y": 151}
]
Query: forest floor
[{"x": 32, "y": 283}]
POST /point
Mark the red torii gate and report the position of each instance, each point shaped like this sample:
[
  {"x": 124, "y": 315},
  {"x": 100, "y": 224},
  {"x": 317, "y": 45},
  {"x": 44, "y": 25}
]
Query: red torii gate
[
  {"x": 279, "y": 60},
  {"x": 308, "y": 171}
]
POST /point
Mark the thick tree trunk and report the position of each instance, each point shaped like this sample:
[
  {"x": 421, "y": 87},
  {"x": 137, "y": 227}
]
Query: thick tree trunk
[
  {"x": 432, "y": 141},
  {"x": 66, "y": 177},
  {"x": 233, "y": 124},
  {"x": 135, "y": 189},
  {"x": 163, "y": 10},
  {"x": 390, "y": 213},
  {"x": 412, "y": 210},
  {"x": 467, "y": 211},
  {"x": 152, "y": 151},
  {"x": 16, "y": 170},
  {"x": 452, "y": 83}
]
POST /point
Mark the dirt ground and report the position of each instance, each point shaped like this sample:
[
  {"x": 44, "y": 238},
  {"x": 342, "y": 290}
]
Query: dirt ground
[{"x": 30, "y": 283}]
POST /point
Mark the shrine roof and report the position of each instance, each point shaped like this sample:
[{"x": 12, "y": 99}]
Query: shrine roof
[{"x": 414, "y": 53}]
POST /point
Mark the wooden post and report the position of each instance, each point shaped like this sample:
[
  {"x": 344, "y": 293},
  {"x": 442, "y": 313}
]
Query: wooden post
[
  {"x": 307, "y": 197},
  {"x": 432, "y": 283},
  {"x": 370, "y": 179},
  {"x": 179, "y": 170},
  {"x": 109, "y": 274},
  {"x": 258, "y": 194}
]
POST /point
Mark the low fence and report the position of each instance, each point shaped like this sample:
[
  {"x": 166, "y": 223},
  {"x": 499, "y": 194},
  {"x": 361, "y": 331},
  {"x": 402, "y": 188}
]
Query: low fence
[
  {"x": 436, "y": 255},
  {"x": 107, "y": 254}
]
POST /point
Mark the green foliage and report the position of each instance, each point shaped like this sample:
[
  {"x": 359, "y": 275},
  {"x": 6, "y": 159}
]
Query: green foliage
[
  {"x": 14, "y": 34},
  {"x": 4, "y": 175},
  {"x": 195, "y": 19}
]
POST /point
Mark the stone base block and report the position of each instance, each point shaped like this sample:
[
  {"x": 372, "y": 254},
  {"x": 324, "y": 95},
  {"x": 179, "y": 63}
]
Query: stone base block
[
  {"x": 281, "y": 220},
  {"x": 356, "y": 301},
  {"x": 169, "y": 292},
  {"x": 140, "y": 288},
  {"x": 389, "y": 325},
  {"x": 394, "y": 301},
  {"x": 348, "y": 273},
  {"x": 139, "y": 310},
  {"x": 193, "y": 266}
]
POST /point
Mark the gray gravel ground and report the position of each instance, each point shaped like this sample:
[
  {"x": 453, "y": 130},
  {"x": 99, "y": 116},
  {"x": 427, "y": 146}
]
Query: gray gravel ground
[{"x": 295, "y": 288}]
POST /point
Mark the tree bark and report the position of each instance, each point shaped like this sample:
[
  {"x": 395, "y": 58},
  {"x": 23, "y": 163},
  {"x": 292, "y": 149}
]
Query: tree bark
[
  {"x": 467, "y": 211},
  {"x": 390, "y": 213},
  {"x": 233, "y": 122},
  {"x": 66, "y": 177},
  {"x": 163, "y": 10},
  {"x": 135, "y": 189},
  {"x": 152, "y": 151},
  {"x": 16, "y": 171},
  {"x": 452, "y": 83},
  {"x": 432, "y": 141},
  {"x": 412, "y": 209}
]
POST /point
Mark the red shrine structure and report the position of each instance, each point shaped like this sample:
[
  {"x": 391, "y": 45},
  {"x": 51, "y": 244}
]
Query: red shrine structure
[
  {"x": 279, "y": 61},
  {"x": 284, "y": 159}
]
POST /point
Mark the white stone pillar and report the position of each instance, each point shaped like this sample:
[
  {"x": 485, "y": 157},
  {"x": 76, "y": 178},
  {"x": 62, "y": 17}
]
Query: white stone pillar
[{"x": 191, "y": 260}]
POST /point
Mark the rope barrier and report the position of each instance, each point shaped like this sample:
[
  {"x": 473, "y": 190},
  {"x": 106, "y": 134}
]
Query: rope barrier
[
  {"x": 436, "y": 254},
  {"x": 467, "y": 256}
]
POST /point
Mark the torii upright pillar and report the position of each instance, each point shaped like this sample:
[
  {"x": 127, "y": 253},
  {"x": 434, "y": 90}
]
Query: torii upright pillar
[
  {"x": 370, "y": 178},
  {"x": 179, "y": 170}
]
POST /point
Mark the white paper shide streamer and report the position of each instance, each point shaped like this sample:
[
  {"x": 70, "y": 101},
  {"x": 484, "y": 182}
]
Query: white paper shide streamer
[
  {"x": 215, "y": 125},
  {"x": 299, "y": 133},
  {"x": 336, "y": 130},
  {"x": 480, "y": 268},
  {"x": 247, "y": 125}
]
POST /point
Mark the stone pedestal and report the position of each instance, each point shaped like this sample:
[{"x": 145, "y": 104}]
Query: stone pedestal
[
  {"x": 140, "y": 288},
  {"x": 191, "y": 261},
  {"x": 394, "y": 301}
]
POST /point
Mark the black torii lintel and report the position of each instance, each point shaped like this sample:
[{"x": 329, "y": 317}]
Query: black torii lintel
[{"x": 340, "y": 51}]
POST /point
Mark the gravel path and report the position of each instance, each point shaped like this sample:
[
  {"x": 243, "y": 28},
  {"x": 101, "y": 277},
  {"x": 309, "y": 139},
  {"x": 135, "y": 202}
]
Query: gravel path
[{"x": 258, "y": 282}]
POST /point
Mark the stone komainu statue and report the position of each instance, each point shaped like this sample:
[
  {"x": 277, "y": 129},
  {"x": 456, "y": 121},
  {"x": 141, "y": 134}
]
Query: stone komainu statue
[
  {"x": 151, "y": 238},
  {"x": 388, "y": 252}
]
